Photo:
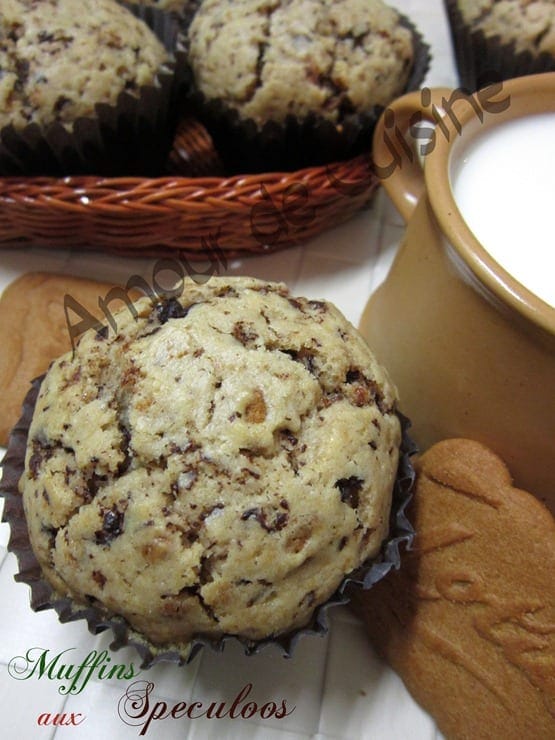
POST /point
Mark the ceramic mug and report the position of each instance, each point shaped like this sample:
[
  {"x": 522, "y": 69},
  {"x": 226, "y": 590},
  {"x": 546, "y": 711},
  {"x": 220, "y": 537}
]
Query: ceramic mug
[{"x": 471, "y": 349}]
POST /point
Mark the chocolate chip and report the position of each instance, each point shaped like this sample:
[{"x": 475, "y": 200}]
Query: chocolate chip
[
  {"x": 112, "y": 526},
  {"x": 349, "y": 489},
  {"x": 296, "y": 303},
  {"x": 318, "y": 306},
  {"x": 41, "y": 453},
  {"x": 288, "y": 436},
  {"x": 304, "y": 356},
  {"x": 102, "y": 333},
  {"x": 61, "y": 102},
  {"x": 353, "y": 376},
  {"x": 259, "y": 514},
  {"x": 125, "y": 447},
  {"x": 92, "y": 485},
  {"x": 171, "y": 309},
  {"x": 280, "y": 522},
  {"x": 22, "y": 72},
  {"x": 45, "y": 37}
]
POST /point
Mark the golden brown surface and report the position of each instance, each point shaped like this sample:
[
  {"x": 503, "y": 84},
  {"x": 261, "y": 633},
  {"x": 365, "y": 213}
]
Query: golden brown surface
[{"x": 469, "y": 621}]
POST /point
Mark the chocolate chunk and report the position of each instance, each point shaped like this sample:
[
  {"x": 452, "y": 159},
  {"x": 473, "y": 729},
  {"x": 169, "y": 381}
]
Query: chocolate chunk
[
  {"x": 102, "y": 333},
  {"x": 259, "y": 514},
  {"x": 60, "y": 104},
  {"x": 288, "y": 436},
  {"x": 45, "y": 37},
  {"x": 92, "y": 486},
  {"x": 125, "y": 447},
  {"x": 318, "y": 306},
  {"x": 349, "y": 489},
  {"x": 22, "y": 72},
  {"x": 304, "y": 356},
  {"x": 41, "y": 453},
  {"x": 353, "y": 376},
  {"x": 112, "y": 526},
  {"x": 171, "y": 309}
]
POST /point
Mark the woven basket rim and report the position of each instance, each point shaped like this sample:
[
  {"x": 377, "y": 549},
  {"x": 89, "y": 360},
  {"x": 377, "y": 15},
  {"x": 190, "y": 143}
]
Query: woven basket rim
[{"x": 208, "y": 183}]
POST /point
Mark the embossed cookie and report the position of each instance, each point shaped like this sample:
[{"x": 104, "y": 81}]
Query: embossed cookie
[
  {"x": 34, "y": 331},
  {"x": 216, "y": 466},
  {"x": 469, "y": 621}
]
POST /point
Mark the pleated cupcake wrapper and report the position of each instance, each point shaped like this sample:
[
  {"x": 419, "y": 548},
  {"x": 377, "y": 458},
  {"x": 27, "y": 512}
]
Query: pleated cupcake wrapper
[
  {"x": 43, "y": 597},
  {"x": 296, "y": 143},
  {"x": 484, "y": 60},
  {"x": 132, "y": 137}
]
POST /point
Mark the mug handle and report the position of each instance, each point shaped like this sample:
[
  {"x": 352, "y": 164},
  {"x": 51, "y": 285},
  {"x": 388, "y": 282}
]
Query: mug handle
[{"x": 403, "y": 176}]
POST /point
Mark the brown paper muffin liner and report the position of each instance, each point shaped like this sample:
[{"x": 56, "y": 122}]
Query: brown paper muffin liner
[
  {"x": 43, "y": 597},
  {"x": 132, "y": 137},
  {"x": 484, "y": 60},
  {"x": 297, "y": 143}
]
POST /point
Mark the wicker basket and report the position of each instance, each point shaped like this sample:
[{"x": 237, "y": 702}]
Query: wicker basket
[{"x": 190, "y": 214}]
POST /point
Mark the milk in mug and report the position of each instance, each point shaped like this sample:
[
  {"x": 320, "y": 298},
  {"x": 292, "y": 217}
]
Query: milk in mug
[{"x": 504, "y": 187}]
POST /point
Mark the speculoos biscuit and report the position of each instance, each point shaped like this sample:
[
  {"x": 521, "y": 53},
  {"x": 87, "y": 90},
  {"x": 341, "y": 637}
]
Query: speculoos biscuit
[{"x": 469, "y": 621}]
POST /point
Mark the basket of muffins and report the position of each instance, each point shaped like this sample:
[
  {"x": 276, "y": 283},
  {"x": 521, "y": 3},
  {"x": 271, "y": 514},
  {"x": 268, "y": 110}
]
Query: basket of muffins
[
  {"x": 150, "y": 128},
  {"x": 221, "y": 461}
]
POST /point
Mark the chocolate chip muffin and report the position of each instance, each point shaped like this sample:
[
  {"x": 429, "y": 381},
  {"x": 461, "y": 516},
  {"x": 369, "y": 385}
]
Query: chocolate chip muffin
[
  {"x": 530, "y": 24},
  {"x": 215, "y": 466},
  {"x": 59, "y": 58},
  {"x": 282, "y": 85},
  {"x": 497, "y": 40},
  {"x": 270, "y": 59}
]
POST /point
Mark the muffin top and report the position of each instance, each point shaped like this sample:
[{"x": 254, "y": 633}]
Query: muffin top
[
  {"x": 61, "y": 57},
  {"x": 529, "y": 23},
  {"x": 271, "y": 58},
  {"x": 216, "y": 466}
]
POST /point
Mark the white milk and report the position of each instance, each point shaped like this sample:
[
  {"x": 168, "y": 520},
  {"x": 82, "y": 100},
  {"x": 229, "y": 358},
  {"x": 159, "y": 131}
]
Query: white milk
[{"x": 504, "y": 187}]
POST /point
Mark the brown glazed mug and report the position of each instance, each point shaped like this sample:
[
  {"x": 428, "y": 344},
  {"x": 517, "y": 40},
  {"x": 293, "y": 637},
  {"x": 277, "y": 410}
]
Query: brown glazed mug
[{"x": 472, "y": 351}]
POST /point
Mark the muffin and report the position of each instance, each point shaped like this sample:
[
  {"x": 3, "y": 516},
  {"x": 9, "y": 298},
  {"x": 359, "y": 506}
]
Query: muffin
[
  {"x": 216, "y": 467},
  {"x": 497, "y": 40},
  {"x": 315, "y": 63},
  {"x": 69, "y": 65}
]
